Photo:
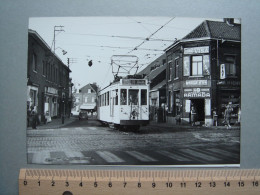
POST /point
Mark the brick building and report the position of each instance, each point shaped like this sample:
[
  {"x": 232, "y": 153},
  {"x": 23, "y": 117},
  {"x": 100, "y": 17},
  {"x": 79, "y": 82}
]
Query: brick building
[
  {"x": 86, "y": 98},
  {"x": 48, "y": 82},
  {"x": 204, "y": 71}
]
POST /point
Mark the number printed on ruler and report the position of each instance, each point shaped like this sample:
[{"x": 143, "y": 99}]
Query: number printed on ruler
[{"x": 69, "y": 182}]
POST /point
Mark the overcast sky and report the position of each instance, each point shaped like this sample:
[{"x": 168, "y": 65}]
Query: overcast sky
[{"x": 99, "y": 38}]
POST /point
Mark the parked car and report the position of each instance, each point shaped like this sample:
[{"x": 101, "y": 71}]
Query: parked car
[{"x": 83, "y": 114}]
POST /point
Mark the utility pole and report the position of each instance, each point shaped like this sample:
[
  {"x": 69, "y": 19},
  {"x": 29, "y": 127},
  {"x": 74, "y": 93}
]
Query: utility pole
[
  {"x": 56, "y": 29},
  {"x": 71, "y": 61}
]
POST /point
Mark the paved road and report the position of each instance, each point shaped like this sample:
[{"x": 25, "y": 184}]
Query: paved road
[{"x": 87, "y": 142}]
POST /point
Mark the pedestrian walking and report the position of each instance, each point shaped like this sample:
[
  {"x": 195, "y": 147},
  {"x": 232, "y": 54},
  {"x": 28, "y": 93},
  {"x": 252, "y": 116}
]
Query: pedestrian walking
[
  {"x": 193, "y": 115},
  {"x": 34, "y": 118},
  {"x": 227, "y": 114},
  {"x": 215, "y": 117}
]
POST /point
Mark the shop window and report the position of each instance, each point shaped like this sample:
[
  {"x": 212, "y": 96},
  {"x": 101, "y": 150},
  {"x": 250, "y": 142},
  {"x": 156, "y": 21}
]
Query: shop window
[
  {"x": 143, "y": 97},
  {"x": 133, "y": 96},
  {"x": 123, "y": 97},
  {"x": 196, "y": 69},
  {"x": 177, "y": 101}
]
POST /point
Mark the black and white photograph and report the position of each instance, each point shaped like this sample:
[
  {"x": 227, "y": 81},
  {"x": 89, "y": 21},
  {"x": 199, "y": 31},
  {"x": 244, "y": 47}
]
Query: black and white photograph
[{"x": 153, "y": 91}]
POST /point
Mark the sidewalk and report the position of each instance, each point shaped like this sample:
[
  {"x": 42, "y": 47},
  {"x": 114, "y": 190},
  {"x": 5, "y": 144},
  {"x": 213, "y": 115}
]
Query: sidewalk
[
  {"x": 187, "y": 126},
  {"x": 55, "y": 123}
]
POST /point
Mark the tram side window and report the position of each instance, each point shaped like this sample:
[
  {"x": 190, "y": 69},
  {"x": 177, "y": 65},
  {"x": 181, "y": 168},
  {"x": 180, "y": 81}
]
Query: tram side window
[
  {"x": 108, "y": 98},
  {"x": 123, "y": 97},
  {"x": 116, "y": 103},
  {"x": 133, "y": 96},
  {"x": 143, "y": 97}
]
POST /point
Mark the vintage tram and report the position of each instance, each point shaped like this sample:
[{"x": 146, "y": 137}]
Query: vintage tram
[{"x": 124, "y": 103}]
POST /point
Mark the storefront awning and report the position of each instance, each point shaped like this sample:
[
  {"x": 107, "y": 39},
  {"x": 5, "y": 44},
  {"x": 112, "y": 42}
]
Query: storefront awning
[{"x": 87, "y": 107}]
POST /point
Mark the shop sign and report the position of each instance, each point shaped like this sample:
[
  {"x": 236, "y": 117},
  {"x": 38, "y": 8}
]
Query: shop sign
[
  {"x": 229, "y": 83},
  {"x": 196, "y": 50},
  {"x": 196, "y": 82},
  {"x": 51, "y": 90},
  {"x": 196, "y": 92}
]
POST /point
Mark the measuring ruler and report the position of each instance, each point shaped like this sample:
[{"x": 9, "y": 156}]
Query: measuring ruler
[{"x": 79, "y": 182}]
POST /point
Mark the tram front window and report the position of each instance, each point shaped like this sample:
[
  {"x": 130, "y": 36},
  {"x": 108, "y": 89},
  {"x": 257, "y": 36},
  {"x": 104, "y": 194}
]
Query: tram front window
[
  {"x": 123, "y": 97},
  {"x": 133, "y": 96}
]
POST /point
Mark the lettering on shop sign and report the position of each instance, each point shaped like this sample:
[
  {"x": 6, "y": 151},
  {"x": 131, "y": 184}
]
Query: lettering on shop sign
[
  {"x": 196, "y": 92},
  {"x": 196, "y": 50},
  {"x": 196, "y": 82}
]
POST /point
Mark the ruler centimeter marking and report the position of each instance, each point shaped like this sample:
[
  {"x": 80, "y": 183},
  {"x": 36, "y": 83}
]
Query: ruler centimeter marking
[{"x": 72, "y": 182}]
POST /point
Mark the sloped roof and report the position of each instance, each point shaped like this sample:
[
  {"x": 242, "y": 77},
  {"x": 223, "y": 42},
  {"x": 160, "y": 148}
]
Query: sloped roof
[
  {"x": 215, "y": 29},
  {"x": 41, "y": 41},
  {"x": 153, "y": 73},
  {"x": 89, "y": 86}
]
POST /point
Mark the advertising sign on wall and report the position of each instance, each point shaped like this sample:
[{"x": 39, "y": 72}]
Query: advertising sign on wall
[
  {"x": 196, "y": 92},
  {"x": 196, "y": 50}
]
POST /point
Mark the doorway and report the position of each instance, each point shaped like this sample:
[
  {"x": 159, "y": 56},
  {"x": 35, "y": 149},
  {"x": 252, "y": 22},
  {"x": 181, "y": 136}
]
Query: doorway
[{"x": 199, "y": 105}]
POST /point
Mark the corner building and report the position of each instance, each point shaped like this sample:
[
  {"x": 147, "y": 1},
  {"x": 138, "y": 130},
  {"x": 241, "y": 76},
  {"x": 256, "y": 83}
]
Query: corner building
[{"x": 204, "y": 71}]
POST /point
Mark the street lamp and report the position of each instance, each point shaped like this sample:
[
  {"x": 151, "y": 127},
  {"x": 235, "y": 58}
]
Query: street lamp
[{"x": 63, "y": 51}]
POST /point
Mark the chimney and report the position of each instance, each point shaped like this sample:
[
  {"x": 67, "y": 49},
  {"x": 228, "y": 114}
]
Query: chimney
[{"x": 229, "y": 21}]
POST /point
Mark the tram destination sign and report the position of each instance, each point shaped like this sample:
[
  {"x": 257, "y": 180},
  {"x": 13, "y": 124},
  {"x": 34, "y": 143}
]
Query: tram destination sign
[
  {"x": 133, "y": 82},
  {"x": 196, "y": 92}
]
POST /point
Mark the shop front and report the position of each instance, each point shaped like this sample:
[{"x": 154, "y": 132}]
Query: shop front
[
  {"x": 51, "y": 102},
  {"x": 197, "y": 105}
]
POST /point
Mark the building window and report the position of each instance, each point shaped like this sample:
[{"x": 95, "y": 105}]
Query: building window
[
  {"x": 43, "y": 68},
  {"x": 196, "y": 69},
  {"x": 89, "y": 90},
  {"x": 34, "y": 62},
  {"x": 176, "y": 69},
  {"x": 196, "y": 65},
  {"x": 86, "y": 99},
  {"x": 230, "y": 66},
  {"x": 169, "y": 71}
]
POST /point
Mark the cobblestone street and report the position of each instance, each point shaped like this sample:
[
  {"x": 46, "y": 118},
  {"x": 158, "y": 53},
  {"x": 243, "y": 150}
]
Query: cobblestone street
[{"x": 87, "y": 142}]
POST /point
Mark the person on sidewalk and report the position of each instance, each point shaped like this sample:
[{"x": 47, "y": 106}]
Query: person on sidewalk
[
  {"x": 227, "y": 114},
  {"x": 34, "y": 118},
  {"x": 193, "y": 115}
]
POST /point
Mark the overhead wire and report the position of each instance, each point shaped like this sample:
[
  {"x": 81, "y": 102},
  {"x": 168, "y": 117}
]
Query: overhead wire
[{"x": 147, "y": 39}]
